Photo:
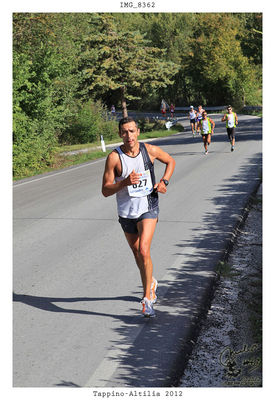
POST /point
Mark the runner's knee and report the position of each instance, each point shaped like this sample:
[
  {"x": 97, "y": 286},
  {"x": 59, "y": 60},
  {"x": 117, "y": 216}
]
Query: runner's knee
[{"x": 144, "y": 251}]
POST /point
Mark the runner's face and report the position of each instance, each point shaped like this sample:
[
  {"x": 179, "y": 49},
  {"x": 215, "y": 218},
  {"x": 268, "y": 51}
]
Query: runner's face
[{"x": 129, "y": 134}]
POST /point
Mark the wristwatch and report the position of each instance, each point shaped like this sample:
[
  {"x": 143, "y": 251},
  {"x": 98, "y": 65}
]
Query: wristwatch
[{"x": 166, "y": 183}]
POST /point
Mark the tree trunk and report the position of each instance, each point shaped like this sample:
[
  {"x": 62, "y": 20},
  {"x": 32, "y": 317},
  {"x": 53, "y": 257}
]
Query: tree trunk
[{"x": 123, "y": 103}]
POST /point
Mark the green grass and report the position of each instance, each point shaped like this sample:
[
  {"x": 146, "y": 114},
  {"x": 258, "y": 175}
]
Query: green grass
[
  {"x": 142, "y": 136},
  {"x": 64, "y": 161},
  {"x": 60, "y": 162}
]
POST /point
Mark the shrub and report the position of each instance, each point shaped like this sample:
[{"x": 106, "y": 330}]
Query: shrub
[
  {"x": 109, "y": 129},
  {"x": 145, "y": 125},
  {"x": 88, "y": 124}
]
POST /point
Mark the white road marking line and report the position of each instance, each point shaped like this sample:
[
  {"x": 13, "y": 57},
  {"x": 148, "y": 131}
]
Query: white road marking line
[{"x": 58, "y": 173}]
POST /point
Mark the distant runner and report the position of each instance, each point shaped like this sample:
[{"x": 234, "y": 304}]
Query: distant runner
[
  {"x": 199, "y": 117},
  {"x": 207, "y": 126},
  {"x": 163, "y": 108},
  {"x": 113, "y": 111},
  {"x": 231, "y": 121},
  {"x": 193, "y": 116},
  {"x": 172, "y": 110},
  {"x": 129, "y": 173}
]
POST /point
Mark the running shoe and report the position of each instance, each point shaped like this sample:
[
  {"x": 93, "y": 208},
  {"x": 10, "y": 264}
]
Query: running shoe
[
  {"x": 147, "y": 308},
  {"x": 206, "y": 152},
  {"x": 232, "y": 148},
  {"x": 153, "y": 296}
]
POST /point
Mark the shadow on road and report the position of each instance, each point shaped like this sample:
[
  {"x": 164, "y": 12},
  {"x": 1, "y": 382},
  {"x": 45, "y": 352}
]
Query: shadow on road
[
  {"x": 245, "y": 131},
  {"x": 47, "y": 304},
  {"x": 157, "y": 357}
]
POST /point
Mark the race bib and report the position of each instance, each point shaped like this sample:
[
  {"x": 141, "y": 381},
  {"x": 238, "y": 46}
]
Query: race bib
[
  {"x": 231, "y": 121},
  {"x": 144, "y": 187}
]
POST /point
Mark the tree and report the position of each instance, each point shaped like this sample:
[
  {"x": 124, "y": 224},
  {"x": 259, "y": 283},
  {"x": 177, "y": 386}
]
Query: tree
[
  {"x": 45, "y": 84},
  {"x": 219, "y": 70},
  {"x": 172, "y": 32},
  {"x": 123, "y": 60},
  {"x": 250, "y": 36}
]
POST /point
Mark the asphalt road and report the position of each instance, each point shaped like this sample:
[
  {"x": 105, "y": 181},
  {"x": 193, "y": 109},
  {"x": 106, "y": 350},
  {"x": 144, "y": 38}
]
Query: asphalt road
[{"x": 77, "y": 317}]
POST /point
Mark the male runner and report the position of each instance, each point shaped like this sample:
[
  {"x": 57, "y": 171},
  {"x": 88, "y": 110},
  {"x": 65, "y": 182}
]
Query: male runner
[
  {"x": 199, "y": 117},
  {"x": 129, "y": 173},
  {"x": 207, "y": 126},
  {"x": 172, "y": 110},
  {"x": 193, "y": 116},
  {"x": 231, "y": 121}
]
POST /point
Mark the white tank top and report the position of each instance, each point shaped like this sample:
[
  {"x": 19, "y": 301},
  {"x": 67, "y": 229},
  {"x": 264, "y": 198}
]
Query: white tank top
[
  {"x": 192, "y": 114},
  {"x": 199, "y": 115},
  {"x": 205, "y": 126},
  {"x": 135, "y": 200},
  {"x": 230, "y": 119}
]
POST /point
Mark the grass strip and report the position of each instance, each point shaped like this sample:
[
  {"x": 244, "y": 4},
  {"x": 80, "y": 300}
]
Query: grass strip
[{"x": 60, "y": 161}]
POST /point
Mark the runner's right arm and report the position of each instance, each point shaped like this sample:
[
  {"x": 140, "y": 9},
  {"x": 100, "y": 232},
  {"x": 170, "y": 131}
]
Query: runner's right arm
[{"x": 109, "y": 186}]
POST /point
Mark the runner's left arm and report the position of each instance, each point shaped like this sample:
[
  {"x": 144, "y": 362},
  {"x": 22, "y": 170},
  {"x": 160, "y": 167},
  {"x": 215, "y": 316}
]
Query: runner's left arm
[
  {"x": 212, "y": 125},
  {"x": 156, "y": 153}
]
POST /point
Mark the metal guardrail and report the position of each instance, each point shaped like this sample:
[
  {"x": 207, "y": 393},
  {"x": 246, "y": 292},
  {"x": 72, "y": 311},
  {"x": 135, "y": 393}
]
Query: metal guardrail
[
  {"x": 179, "y": 112},
  {"x": 211, "y": 108},
  {"x": 253, "y": 108}
]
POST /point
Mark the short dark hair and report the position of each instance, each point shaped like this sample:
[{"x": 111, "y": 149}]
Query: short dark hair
[{"x": 125, "y": 121}]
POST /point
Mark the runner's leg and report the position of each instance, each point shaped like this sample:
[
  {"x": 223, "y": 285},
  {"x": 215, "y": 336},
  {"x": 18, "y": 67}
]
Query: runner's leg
[
  {"x": 205, "y": 142},
  {"x": 146, "y": 229},
  {"x": 133, "y": 241}
]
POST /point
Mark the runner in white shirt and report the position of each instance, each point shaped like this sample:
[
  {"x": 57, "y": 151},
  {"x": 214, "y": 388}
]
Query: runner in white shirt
[
  {"x": 199, "y": 118},
  {"x": 207, "y": 126},
  {"x": 231, "y": 122},
  {"x": 129, "y": 173},
  {"x": 193, "y": 116}
]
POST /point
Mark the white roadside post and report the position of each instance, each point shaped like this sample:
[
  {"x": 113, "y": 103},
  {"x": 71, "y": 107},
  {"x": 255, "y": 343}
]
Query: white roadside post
[
  {"x": 168, "y": 125},
  {"x": 103, "y": 147}
]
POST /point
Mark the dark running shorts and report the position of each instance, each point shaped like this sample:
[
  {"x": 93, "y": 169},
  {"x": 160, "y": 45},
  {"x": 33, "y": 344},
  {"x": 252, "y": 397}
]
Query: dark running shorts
[
  {"x": 129, "y": 225},
  {"x": 192, "y": 121},
  {"x": 231, "y": 133}
]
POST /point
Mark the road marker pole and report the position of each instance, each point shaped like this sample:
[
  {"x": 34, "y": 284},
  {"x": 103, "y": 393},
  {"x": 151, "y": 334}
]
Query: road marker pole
[{"x": 102, "y": 144}]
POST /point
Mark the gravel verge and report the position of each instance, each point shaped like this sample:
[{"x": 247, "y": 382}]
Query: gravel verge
[{"x": 228, "y": 350}]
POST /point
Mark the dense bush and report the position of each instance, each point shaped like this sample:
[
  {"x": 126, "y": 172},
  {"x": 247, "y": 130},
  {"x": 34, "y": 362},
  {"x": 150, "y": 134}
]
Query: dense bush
[
  {"x": 109, "y": 129},
  {"x": 149, "y": 125},
  {"x": 88, "y": 124}
]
